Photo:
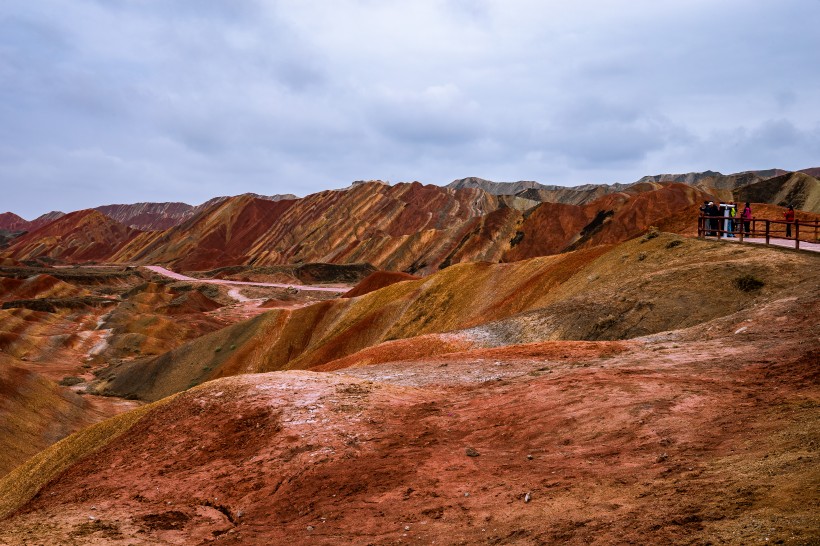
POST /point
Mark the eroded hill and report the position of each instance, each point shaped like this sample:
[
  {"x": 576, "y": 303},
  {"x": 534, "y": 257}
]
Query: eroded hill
[
  {"x": 702, "y": 429},
  {"x": 645, "y": 286}
]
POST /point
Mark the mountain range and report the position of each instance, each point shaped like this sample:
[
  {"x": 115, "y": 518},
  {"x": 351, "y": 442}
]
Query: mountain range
[{"x": 404, "y": 227}]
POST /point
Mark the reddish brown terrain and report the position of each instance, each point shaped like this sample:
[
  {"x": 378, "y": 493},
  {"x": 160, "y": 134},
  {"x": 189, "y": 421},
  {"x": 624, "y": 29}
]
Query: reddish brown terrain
[
  {"x": 11, "y": 222},
  {"x": 657, "y": 419},
  {"x": 700, "y": 433},
  {"x": 378, "y": 280},
  {"x": 414, "y": 364},
  {"x": 81, "y": 236}
]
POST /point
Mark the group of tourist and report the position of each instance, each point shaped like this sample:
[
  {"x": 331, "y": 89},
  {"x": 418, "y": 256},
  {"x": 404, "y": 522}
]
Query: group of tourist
[{"x": 728, "y": 211}]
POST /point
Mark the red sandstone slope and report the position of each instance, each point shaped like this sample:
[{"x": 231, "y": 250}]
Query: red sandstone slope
[
  {"x": 11, "y": 222},
  {"x": 694, "y": 436},
  {"x": 613, "y": 218},
  {"x": 37, "y": 286},
  {"x": 80, "y": 236},
  {"x": 407, "y": 226},
  {"x": 378, "y": 280},
  {"x": 218, "y": 236}
]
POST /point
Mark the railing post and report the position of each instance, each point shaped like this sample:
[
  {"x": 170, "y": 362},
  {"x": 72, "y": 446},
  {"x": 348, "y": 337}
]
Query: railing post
[
  {"x": 797, "y": 234},
  {"x": 742, "y": 229},
  {"x": 767, "y": 231},
  {"x": 816, "y": 225}
]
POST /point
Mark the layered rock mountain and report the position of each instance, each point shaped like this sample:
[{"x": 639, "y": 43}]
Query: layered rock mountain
[
  {"x": 11, "y": 222},
  {"x": 798, "y": 189},
  {"x": 79, "y": 236},
  {"x": 45, "y": 219},
  {"x": 161, "y": 216},
  {"x": 415, "y": 228},
  {"x": 148, "y": 216}
]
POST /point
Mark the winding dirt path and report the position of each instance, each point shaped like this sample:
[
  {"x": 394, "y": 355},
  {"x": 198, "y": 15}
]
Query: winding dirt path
[{"x": 179, "y": 277}]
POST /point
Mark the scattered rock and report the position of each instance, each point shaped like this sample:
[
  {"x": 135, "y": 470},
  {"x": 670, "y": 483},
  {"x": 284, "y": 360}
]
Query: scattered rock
[
  {"x": 471, "y": 452},
  {"x": 310, "y": 527},
  {"x": 661, "y": 458},
  {"x": 527, "y": 497}
]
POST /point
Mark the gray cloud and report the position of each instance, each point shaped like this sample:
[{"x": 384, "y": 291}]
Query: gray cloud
[{"x": 174, "y": 100}]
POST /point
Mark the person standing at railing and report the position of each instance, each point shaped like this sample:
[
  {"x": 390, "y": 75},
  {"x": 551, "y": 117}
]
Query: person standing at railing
[
  {"x": 704, "y": 212},
  {"x": 726, "y": 211},
  {"x": 714, "y": 221},
  {"x": 732, "y": 216},
  {"x": 746, "y": 216},
  {"x": 789, "y": 215}
]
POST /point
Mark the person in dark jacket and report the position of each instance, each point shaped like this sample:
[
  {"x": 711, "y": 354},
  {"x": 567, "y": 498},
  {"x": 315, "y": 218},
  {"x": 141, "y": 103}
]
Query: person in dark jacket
[
  {"x": 704, "y": 212},
  {"x": 714, "y": 221},
  {"x": 789, "y": 215}
]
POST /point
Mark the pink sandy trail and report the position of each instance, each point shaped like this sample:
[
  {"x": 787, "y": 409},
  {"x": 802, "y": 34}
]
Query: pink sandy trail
[{"x": 179, "y": 277}]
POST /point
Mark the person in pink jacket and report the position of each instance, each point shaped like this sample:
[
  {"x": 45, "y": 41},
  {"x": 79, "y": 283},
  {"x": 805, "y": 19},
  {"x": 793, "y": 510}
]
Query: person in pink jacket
[{"x": 746, "y": 216}]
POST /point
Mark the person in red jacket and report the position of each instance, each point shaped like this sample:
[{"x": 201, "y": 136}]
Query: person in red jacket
[{"x": 789, "y": 214}]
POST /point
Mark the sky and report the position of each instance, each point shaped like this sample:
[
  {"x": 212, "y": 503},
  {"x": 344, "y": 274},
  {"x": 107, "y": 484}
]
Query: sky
[{"x": 123, "y": 101}]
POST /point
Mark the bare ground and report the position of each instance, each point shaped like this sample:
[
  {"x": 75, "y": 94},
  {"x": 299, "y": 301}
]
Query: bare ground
[{"x": 707, "y": 435}]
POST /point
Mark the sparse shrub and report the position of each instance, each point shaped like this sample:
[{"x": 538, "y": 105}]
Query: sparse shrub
[
  {"x": 519, "y": 236},
  {"x": 233, "y": 347},
  {"x": 651, "y": 233},
  {"x": 209, "y": 291},
  {"x": 70, "y": 380},
  {"x": 748, "y": 283},
  {"x": 673, "y": 244},
  {"x": 217, "y": 349},
  {"x": 641, "y": 256}
]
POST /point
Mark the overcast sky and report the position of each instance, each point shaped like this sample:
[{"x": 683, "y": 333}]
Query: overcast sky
[{"x": 120, "y": 101}]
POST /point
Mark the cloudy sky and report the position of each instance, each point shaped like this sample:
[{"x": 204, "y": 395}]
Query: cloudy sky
[{"x": 119, "y": 101}]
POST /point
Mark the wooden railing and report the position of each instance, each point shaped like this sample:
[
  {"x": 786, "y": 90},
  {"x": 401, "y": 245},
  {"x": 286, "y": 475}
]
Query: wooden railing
[{"x": 759, "y": 228}]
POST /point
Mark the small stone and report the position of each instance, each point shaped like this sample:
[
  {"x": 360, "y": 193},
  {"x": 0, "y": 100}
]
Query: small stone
[
  {"x": 310, "y": 527},
  {"x": 406, "y": 527},
  {"x": 471, "y": 452},
  {"x": 527, "y": 497},
  {"x": 466, "y": 494},
  {"x": 530, "y": 457},
  {"x": 92, "y": 518},
  {"x": 661, "y": 458}
]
